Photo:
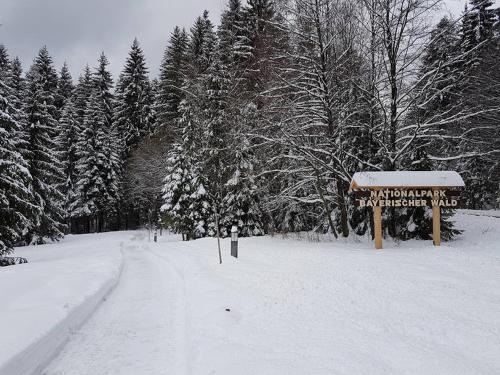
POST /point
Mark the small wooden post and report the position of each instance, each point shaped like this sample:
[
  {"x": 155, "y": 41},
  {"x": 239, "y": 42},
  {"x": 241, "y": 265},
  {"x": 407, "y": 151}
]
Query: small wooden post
[
  {"x": 436, "y": 225},
  {"x": 377, "y": 226}
]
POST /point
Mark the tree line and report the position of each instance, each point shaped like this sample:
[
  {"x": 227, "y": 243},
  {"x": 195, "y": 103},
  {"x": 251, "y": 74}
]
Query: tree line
[{"x": 259, "y": 122}]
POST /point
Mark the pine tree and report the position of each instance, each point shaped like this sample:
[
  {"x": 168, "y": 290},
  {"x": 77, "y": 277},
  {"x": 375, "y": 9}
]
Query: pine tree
[
  {"x": 262, "y": 38},
  {"x": 43, "y": 159},
  {"x": 477, "y": 27},
  {"x": 216, "y": 129},
  {"x": 479, "y": 92},
  {"x": 440, "y": 59},
  {"x": 186, "y": 204},
  {"x": 64, "y": 88},
  {"x": 17, "y": 86},
  {"x": 234, "y": 38},
  {"x": 202, "y": 43},
  {"x": 177, "y": 190},
  {"x": 103, "y": 84},
  {"x": 134, "y": 116},
  {"x": 241, "y": 199},
  {"x": 92, "y": 163},
  {"x": 172, "y": 78},
  {"x": 69, "y": 131},
  {"x": 82, "y": 93},
  {"x": 17, "y": 83},
  {"x": 17, "y": 211},
  {"x": 5, "y": 64},
  {"x": 485, "y": 18}
]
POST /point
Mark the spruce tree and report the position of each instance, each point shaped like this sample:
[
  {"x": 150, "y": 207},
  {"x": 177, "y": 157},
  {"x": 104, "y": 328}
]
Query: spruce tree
[
  {"x": 82, "y": 93},
  {"x": 17, "y": 83},
  {"x": 485, "y": 16},
  {"x": 202, "y": 43},
  {"x": 476, "y": 28},
  {"x": 177, "y": 190},
  {"x": 187, "y": 204},
  {"x": 479, "y": 92},
  {"x": 43, "y": 158},
  {"x": 64, "y": 88},
  {"x": 103, "y": 84},
  {"x": 69, "y": 132},
  {"x": 261, "y": 38},
  {"x": 17, "y": 90},
  {"x": 241, "y": 199},
  {"x": 134, "y": 116},
  {"x": 438, "y": 59},
  {"x": 5, "y": 65},
  {"x": 216, "y": 136},
  {"x": 17, "y": 211},
  {"x": 172, "y": 78},
  {"x": 92, "y": 162},
  {"x": 234, "y": 42}
]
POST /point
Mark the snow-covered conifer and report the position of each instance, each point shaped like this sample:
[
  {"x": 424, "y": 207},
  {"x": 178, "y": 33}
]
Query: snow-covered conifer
[
  {"x": 172, "y": 78},
  {"x": 134, "y": 116},
  {"x": 93, "y": 162},
  {"x": 241, "y": 199},
  {"x": 65, "y": 87},
  {"x": 234, "y": 38},
  {"x": 202, "y": 43},
  {"x": 82, "y": 93},
  {"x": 43, "y": 157},
  {"x": 69, "y": 132},
  {"x": 18, "y": 214}
]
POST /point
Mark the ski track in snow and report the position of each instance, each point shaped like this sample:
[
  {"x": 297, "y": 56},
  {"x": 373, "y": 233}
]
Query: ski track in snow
[{"x": 139, "y": 329}]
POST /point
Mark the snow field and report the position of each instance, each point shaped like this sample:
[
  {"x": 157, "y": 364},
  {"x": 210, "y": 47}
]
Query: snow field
[
  {"x": 46, "y": 300},
  {"x": 333, "y": 308},
  {"x": 296, "y": 307}
]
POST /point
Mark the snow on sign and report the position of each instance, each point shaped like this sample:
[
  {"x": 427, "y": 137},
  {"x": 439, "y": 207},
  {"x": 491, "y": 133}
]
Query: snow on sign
[
  {"x": 407, "y": 189},
  {"x": 414, "y": 179}
]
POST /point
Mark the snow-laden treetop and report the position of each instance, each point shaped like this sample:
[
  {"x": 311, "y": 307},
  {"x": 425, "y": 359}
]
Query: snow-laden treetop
[{"x": 406, "y": 179}]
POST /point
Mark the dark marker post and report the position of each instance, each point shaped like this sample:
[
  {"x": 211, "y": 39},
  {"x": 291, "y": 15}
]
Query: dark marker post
[{"x": 234, "y": 241}]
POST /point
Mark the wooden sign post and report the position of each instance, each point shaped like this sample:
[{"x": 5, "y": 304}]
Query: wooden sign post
[
  {"x": 406, "y": 189},
  {"x": 436, "y": 223},
  {"x": 377, "y": 226}
]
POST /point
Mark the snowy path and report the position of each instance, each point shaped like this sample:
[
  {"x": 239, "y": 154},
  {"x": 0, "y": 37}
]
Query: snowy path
[{"x": 139, "y": 329}]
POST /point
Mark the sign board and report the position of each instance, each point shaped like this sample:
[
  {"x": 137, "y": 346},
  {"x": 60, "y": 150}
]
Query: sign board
[
  {"x": 403, "y": 189},
  {"x": 407, "y": 198}
]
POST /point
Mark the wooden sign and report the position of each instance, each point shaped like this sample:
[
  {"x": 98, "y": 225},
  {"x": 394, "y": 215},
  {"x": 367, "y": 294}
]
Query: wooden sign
[
  {"x": 407, "y": 198},
  {"x": 402, "y": 189}
]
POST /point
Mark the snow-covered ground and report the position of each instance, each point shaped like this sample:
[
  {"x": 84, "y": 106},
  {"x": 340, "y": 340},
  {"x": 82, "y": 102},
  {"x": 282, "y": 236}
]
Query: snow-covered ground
[
  {"x": 295, "y": 306},
  {"x": 492, "y": 213},
  {"x": 40, "y": 302}
]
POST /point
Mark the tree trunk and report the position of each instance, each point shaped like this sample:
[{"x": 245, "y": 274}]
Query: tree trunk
[
  {"x": 328, "y": 212},
  {"x": 343, "y": 209}
]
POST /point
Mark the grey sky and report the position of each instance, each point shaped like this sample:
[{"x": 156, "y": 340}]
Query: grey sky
[{"x": 77, "y": 31}]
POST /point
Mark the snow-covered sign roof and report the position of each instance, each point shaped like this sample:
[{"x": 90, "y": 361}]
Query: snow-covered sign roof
[{"x": 400, "y": 179}]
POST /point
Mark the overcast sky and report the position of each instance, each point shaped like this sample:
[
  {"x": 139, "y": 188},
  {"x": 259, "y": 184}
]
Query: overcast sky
[{"x": 77, "y": 31}]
